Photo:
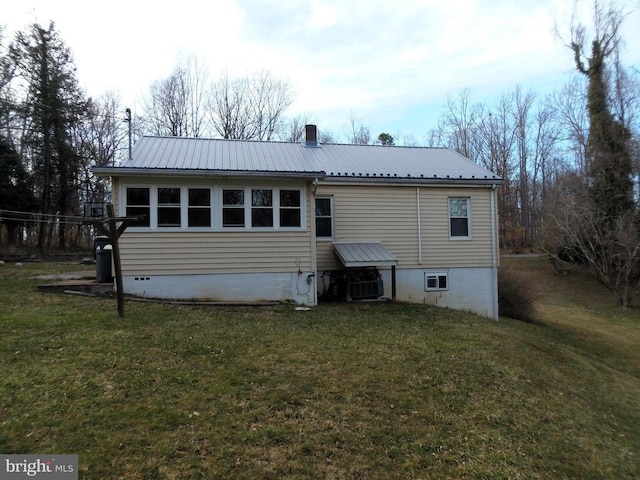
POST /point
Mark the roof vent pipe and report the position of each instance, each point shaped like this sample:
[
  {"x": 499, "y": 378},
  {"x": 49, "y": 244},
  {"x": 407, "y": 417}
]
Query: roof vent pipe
[{"x": 311, "y": 136}]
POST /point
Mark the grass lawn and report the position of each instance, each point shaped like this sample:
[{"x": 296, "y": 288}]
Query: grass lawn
[{"x": 349, "y": 391}]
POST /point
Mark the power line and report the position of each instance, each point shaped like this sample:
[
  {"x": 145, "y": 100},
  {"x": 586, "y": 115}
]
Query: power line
[{"x": 41, "y": 218}]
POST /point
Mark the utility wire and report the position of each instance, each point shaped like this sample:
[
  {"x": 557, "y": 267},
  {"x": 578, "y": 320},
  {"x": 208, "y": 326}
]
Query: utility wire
[{"x": 35, "y": 217}]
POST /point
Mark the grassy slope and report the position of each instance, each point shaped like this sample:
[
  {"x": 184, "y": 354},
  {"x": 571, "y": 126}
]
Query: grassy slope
[{"x": 343, "y": 391}]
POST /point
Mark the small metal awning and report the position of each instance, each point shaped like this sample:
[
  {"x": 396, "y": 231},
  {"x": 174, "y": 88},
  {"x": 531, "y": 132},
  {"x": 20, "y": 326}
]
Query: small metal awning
[{"x": 364, "y": 254}]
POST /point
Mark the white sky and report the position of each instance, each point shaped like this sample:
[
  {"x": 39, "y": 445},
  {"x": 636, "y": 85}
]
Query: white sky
[{"x": 391, "y": 63}]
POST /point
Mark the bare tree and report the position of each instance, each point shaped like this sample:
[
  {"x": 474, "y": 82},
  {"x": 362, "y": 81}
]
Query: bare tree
[
  {"x": 175, "y": 105},
  {"x": 573, "y": 123},
  {"x": 326, "y": 136},
  {"x": 523, "y": 129},
  {"x": 357, "y": 133},
  {"x": 459, "y": 124},
  {"x": 610, "y": 252},
  {"x": 293, "y": 128},
  {"x": 250, "y": 107},
  {"x": 102, "y": 141}
]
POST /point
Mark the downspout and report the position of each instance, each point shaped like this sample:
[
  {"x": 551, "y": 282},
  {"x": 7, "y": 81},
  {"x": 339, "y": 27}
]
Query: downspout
[
  {"x": 494, "y": 253},
  {"x": 419, "y": 226},
  {"x": 314, "y": 247}
]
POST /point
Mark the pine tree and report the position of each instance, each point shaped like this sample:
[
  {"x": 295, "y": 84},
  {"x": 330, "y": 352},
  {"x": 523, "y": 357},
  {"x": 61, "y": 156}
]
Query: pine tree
[
  {"x": 55, "y": 105},
  {"x": 15, "y": 190}
]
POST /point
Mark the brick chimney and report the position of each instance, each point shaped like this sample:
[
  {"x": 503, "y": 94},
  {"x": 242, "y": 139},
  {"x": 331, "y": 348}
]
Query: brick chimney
[{"x": 311, "y": 136}]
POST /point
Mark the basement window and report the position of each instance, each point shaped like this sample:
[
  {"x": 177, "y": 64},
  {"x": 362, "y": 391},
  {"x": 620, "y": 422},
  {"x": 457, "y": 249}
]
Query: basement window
[{"x": 436, "y": 281}]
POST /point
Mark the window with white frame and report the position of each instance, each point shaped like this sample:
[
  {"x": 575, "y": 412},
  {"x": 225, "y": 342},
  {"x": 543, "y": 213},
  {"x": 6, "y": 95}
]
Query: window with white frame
[
  {"x": 138, "y": 204},
  {"x": 324, "y": 217},
  {"x": 290, "y": 208},
  {"x": 199, "y": 210},
  {"x": 232, "y": 208},
  {"x": 459, "y": 226},
  {"x": 169, "y": 212},
  {"x": 192, "y": 207},
  {"x": 436, "y": 281},
  {"x": 261, "y": 207}
]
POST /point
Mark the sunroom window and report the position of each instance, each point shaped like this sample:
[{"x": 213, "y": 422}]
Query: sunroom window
[
  {"x": 261, "y": 208},
  {"x": 199, "y": 214},
  {"x": 233, "y": 208},
  {"x": 169, "y": 206},
  {"x": 290, "y": 208},
  {"x": 138, "y": 203}
]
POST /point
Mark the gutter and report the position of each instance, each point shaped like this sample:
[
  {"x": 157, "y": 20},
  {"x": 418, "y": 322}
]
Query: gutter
[
  {"x": 419, "y": 226},
  {"x": 174, "y": 172},
  {"x": 318, "y": 176},
  {"x": 494, "y": 252},
  {"x": 398, "y": 181}
]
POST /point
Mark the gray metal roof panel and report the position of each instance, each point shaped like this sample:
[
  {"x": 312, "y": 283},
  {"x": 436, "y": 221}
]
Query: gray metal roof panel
[
  {"x": 364, "y": 254},
  {"x": 335, "y": 160}
]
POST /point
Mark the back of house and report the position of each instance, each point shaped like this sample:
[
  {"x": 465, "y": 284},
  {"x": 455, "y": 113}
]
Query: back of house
[{"x": 248, "y": 221}]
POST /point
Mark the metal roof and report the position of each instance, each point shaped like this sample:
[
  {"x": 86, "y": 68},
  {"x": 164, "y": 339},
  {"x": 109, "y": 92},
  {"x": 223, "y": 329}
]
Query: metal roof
[
  {"x": 364, "y": 254},
  {"x": 184, "y": 155}
]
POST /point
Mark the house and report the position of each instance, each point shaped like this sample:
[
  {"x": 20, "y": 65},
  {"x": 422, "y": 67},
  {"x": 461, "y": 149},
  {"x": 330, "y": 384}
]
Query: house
[{"x": 231, "y": 220}]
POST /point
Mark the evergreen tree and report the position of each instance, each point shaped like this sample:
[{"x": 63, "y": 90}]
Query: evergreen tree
[
  {"x": 385, "y": 139},
  {"x": 55, "y": 105},
  {"x": 15, "y": 190}
]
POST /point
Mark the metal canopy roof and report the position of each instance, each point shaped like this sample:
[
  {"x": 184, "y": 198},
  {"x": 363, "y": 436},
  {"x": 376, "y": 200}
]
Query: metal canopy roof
[{"x": 364, "y": 254}]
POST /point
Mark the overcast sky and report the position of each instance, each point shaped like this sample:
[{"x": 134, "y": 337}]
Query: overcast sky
[{"x": 391, "y": 63}]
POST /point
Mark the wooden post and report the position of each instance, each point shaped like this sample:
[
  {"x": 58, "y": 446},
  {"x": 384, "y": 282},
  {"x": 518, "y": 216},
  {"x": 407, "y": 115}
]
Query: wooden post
[
  {"x": 393, "y": 282},
  {"x": 113, "y": 231},
  {"x": 114, "y": 234}
]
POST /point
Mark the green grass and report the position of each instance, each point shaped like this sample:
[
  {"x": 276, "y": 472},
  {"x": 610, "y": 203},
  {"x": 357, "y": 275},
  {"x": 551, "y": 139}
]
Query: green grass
[{"x": 343, "y": 391}]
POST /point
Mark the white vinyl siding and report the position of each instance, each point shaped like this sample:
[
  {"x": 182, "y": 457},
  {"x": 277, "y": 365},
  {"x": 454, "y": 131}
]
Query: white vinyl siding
[
  {"x": 183, "y": 251},
  {"x": 164, "y": 253},
  {"x": 390, "y": 214}
]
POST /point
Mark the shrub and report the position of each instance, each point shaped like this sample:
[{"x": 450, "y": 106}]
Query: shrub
[{"x": 515, "y": 295}]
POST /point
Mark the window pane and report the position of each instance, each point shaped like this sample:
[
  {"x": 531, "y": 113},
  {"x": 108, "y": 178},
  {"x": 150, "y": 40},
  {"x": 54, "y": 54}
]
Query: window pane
[
  {"x": 458, "y": 207},
  {"x": 199, "y": 217},
  {"x": 168, "y": 217},
  {"x": 442, "y": 282},
  {"x": 233, "y": 197},
  {"x": 233, "y": 217},
  {"x": 261, "y": 198},
  {"x": 137, "y": 196},
  {"x": 432, "y": 282},
  {"x": 199, "y": 197},
  {"x": 134, "y": 212},
  {"x": 289, "y": 198},
  {"x": 459, "y": 227},
  {"x": 169, "y": 196},
  {"x": 262, "y": 217},
  {"x": 323, "y": 227},
  {"x": 323, "y": 207},
  {"x": 290, "y": 217}
]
